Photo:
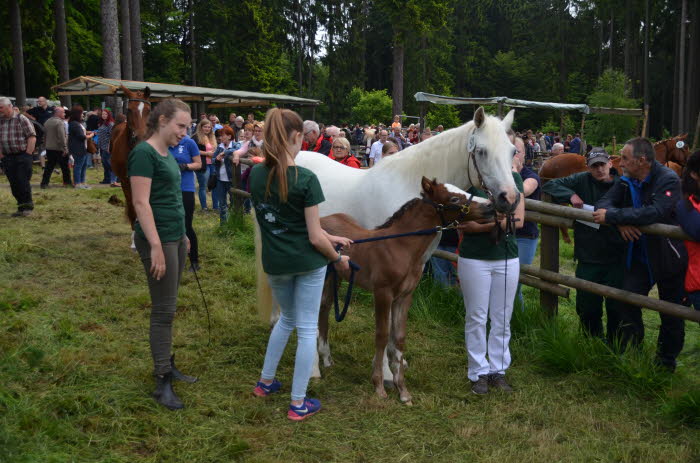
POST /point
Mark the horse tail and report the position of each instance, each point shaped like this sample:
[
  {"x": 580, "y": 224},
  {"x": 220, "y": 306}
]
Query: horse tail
[{"x": 264, "y": 292}]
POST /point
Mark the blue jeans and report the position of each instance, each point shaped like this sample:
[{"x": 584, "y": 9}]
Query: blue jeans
[
  {"x": 443, "y": 270},
  {"x": 299, "y": 298},
  {"x": 80, "y": 167},
  {"x": 202, "y": 179},
  {"x": 527, "y": 247},
  {"x": 221, "y": 192},
  {"x": 107, "y": 166},
  {"x": 214, "y": 197}
]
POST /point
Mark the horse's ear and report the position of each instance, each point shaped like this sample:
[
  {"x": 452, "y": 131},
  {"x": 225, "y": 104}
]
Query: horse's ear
[
  {"x": 683, "y": 136},
  {"x": 479, "y": 117},
  {"x": 146, "y": 93},
  {"x": 427, "y": 185},
  {"x": 508, "y": 120}
]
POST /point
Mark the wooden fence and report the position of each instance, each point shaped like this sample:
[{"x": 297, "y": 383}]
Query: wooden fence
[{"x": 546, "y": 278}]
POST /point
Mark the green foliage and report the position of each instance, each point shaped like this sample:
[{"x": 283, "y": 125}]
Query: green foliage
[
  {"x": 613, "y": 91},
  {"x": 552, "y": 125},
  {"x": 373, "y": 107},
  {"x": 685, "y": 408},
  {"x": 447, "y": 115}
]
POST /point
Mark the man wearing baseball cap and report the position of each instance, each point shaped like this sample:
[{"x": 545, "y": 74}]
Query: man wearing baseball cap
[{"x": 599, "y": 250}]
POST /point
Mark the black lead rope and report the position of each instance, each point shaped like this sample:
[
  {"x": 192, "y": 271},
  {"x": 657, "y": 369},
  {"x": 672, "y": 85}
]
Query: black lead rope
[{"x": 206, "y": 307}]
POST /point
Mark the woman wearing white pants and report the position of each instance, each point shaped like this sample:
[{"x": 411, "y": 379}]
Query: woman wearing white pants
[{"x": 488, "y": 275}]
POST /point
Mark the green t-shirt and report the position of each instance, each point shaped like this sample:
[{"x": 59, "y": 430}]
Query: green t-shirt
[
  {"x": 166, "y": 197},
  {"x": 479, "y": 245},
  {"x": 285, "y": 239}
]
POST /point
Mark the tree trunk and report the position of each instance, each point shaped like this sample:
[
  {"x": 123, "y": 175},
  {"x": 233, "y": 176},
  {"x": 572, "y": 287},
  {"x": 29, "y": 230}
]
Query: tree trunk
[
  {"x": 628, "y": 38},
  {"x": 136, "y": 41},
  {"x": 111, "y": 67},
  {"x": 562, "y": 37},
  {"x": 397, "y": 74},
  {"x": 17, "y": 53},
  {"x": 59, "y": 12},
  {"x": 193, "y": 44},
  {"x": 682, "y": 126},
  {"x": 646, "y": 62},
  {"x": 601, "y": 43},
  {"x": 127, "y": 69},
  {"x": 674, "y": 104},
  {"x": 612, "y": 39},
  {"x": 692, "y": 68}
]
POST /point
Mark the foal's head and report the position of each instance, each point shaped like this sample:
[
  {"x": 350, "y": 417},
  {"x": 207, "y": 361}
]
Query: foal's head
[{"x": 455, "y": 203}]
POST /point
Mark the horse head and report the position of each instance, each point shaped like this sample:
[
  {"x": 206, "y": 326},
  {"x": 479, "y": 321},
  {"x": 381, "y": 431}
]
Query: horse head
[
  {"x": 138, "y": 109},
  {"x": 454, "y": 204},
  {"x": 679, "y": 150},
  {"x": 490, "y": 159}
]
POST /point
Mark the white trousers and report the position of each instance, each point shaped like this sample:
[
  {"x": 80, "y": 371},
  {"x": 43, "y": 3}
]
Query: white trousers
[{"x": 488, "y": 291}]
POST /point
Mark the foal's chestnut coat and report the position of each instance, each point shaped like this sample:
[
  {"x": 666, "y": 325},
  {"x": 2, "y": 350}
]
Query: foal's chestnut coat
[{"x": 391, "y": 269}]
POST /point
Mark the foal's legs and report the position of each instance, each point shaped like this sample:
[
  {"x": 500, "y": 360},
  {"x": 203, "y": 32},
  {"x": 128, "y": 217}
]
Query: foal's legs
[
  {"x": 399, "y": 314},
  {"x": 324, "y": 349},
  {"x": 382, "y": 312}
]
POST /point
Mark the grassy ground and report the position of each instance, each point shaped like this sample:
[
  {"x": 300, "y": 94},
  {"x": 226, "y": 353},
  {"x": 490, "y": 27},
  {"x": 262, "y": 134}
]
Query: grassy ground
[{"x": 75, "y": 366}]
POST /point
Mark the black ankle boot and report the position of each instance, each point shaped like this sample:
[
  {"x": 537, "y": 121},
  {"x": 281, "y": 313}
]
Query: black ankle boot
[
  {"x": 178, "y": 375},
  {"x": 164, "y": 393}
]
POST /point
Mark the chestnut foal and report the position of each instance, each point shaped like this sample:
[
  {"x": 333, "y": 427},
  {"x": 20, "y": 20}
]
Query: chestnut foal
[{"x": 391, "y": 269}]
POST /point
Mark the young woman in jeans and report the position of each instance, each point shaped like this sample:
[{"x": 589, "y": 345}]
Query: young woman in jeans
[
  {"x": 160, "y": 232},
  {"x": 206, "y": 142},
  {"x": 77, "y": 146},
  {"x": 295, "y": 253}
]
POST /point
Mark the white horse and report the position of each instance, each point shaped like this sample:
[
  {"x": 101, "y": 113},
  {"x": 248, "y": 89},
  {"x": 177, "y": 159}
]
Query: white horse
[{"x": 477, "y": 153}]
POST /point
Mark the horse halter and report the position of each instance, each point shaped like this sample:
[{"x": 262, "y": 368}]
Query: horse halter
[
  {"x": 471, "y": 153},
  {"x": 133, "y": 137},
  {"x": 463, "y": 209}
]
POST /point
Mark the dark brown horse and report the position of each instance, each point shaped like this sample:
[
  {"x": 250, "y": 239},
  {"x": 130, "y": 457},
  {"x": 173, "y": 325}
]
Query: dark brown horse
[
  {"x": 391, "y": 269},
  {"x": 125, "y": 136}
]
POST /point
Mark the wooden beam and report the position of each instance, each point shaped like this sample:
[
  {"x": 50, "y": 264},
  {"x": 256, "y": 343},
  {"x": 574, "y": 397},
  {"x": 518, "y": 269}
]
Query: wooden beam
[
  {"x": 669, "y": 231},
  {"x": 242, "y": 104},
  {"x": 549, "y": 260},
  {"x": 668, "y": 308},
  {"x": 86, "y": 92},
  {"x": 618, "y": 111}
]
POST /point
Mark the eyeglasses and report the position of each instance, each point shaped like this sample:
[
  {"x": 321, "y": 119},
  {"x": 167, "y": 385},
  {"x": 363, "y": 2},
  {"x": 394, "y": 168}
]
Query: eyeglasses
[{"x": 339, "y": 148}]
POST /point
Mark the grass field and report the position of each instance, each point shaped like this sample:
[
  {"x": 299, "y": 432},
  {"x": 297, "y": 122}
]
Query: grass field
[{"x": 75, "y": 366}]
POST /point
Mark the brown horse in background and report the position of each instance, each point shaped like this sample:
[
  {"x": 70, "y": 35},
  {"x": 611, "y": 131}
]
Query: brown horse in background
[
  {"x": 391, "y": 269},
  {"x": 125, "y": 136},
  {"x": 668, "y": 152}
]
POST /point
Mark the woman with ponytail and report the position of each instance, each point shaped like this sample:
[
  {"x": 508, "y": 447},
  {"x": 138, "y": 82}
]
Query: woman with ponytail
[
  {"x": 295, "y": 253},
  {"x": 160, "y": 234}
]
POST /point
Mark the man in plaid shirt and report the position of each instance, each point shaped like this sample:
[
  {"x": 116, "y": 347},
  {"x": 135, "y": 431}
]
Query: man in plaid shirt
[{"x": 17, "y": 140}]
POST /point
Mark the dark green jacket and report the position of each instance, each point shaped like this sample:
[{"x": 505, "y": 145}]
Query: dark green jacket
[{"x": 591, "y": 246}]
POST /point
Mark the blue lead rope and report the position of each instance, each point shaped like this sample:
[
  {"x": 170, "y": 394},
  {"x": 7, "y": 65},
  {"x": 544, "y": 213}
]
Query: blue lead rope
[{"x": 354, "y": 268}]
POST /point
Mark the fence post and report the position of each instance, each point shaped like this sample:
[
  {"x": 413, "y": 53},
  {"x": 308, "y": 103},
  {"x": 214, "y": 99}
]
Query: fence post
[
  {"x": 549, "y": 260},
  {"x": 236, "y": 200}
]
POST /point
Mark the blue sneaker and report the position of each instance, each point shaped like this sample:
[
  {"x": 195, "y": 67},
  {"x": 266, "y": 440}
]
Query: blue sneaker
[
  {"x": 308, "y": 408},
  {"x": 264, "y": 390}
]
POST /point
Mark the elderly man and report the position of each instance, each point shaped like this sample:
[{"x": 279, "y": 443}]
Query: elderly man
[
  {"x": 375, "y": 152},
  {"x": 598, "y": 250},
  {"x": 56, "y": 148},
  {"x": 237, "y": 126},
  {"x": 402, "y": 142},
  {"x": 646, "y": 194},
  {"x": 557, "y": 148},
  {"x": 17, "y": 140},
  {"x": 314, "y": 140}
]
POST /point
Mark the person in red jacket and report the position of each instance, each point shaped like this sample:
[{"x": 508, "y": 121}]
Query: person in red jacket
[
  {"x": 342, "y": 154},
  {"x": 688, "y": 215},
  {"x": 316, "y": 141}
]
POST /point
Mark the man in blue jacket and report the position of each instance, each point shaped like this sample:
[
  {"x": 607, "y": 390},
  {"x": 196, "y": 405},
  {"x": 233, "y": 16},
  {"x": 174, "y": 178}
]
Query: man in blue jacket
[{"x": 647, "y": 194}]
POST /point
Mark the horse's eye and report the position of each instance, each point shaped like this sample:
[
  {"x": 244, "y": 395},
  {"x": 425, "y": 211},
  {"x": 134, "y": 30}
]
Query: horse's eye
[{"x": 454, "y": 199}]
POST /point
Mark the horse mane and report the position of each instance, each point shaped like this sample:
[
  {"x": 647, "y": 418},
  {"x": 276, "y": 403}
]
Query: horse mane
[{"x": 400, "y": 213}]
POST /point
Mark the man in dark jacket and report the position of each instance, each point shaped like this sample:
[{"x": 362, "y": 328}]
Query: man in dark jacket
[
  {"x": 647, "y": 194},
  {"x": 599, "y": 250}
]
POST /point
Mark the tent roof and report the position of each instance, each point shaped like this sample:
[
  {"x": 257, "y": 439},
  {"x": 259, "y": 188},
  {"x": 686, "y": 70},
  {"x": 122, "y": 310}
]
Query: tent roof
[
  {"x": 454, "y": 100},
  {"x": 214, "y": 97}
]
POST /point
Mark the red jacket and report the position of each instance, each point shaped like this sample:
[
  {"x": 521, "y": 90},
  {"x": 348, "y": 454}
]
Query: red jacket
[
  {"x": 349, "y": 160},
  {"x": 324, "y": 145},
  {"x": 692, "y": 275}
]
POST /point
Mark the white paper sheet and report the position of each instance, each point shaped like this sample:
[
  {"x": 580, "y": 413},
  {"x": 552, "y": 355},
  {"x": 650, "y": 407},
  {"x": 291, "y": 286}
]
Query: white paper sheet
[{"x": 588, "y": 207}]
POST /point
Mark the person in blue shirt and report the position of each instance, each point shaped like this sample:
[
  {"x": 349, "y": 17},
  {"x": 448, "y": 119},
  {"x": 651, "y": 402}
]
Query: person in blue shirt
[
  {"x": 575, "y": 145},
  {"x": 186, "y": 153}
]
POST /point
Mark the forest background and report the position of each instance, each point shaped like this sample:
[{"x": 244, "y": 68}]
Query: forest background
[{"x": 381, "y": 51}]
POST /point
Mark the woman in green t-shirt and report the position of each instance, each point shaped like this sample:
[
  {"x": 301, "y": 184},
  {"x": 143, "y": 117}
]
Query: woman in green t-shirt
[
  {"x": 488, "y": 276},
  {"x": 295, "y": 253},
  {"x": 160, "y": 233}
]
